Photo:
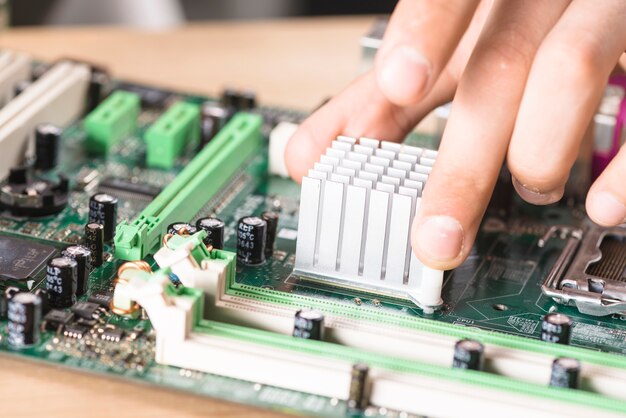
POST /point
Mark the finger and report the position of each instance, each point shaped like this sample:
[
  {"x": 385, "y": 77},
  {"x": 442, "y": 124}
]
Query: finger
[
  {"x": 606, "y": 200},
  {"x": 477, "y": 134},
  {"x": 564, "y": 88},
  {"x": 421, "y": 37},
  {"x": 360, "y": 110}
]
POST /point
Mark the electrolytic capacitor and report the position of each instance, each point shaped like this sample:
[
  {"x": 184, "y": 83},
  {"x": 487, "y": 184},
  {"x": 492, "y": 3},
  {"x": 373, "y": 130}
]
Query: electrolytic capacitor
[
  {"x": 247, "y": 100},
  {"x": 214, "y": 228},
  {"x": 565, "y": 373},
  {"x": 47, "y": 139},
  {"x": 94, "y": 240},
  {"x": 308, "y": 324},
  {"x": 181, "y": 228},
  {"x": 468, "y": 354},
  {"x": 5, "y": 297},
  {"x": 358, "y": 396},
  {"x": 24, "y": 317},
  {"x": 230, "y": 98},
  {"x": 61, "y": 282},
  {"x": 103, "y": 211},
  {"x": 82, "y": 256},
  {"x": 213, "y": 118},
  {"x": 556, "y": 328},
  {"x": 251, "y": 235},
  {"x": 45, "y": 300},
  {"x": 272, "y": 226}
]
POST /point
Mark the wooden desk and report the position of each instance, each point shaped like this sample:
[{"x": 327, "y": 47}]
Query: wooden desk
[{"x": 294, "y": 63}]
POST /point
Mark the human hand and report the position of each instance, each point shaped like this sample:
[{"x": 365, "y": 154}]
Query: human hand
[{"x": 526, "y": 78}]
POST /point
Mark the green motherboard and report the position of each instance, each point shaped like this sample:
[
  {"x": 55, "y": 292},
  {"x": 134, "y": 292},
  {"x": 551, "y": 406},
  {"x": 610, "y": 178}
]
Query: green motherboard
[{"x": 495, "y": 296}]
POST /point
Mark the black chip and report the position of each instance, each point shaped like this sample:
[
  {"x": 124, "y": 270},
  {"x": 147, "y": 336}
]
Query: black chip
[
  {"x": 86, "y": 310},
  {"x": 102, "y": 298},
  {"x": 56, "y": 320},
  {"x": 115, "y": 186},
  {"x": 76, "y": 331},
  {"x": 112, "y": 334},
  {"x": 21, "y": 259}
]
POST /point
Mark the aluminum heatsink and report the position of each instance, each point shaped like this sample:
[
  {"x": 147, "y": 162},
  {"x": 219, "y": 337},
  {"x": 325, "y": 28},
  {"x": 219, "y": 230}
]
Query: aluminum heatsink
[{"x": 356, "y": 209}]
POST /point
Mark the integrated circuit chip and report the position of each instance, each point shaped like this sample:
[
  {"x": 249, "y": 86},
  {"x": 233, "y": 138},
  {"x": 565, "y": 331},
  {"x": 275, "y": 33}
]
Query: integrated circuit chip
[{"x": 21, "y": 258}]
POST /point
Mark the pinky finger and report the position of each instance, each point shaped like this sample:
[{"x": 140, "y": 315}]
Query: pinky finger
[{"x": 606, "y": 200}]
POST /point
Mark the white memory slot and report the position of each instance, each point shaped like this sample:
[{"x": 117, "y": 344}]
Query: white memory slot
[
  {"x": 58, "y": 97},
  {"x": 15, "y": 67}
]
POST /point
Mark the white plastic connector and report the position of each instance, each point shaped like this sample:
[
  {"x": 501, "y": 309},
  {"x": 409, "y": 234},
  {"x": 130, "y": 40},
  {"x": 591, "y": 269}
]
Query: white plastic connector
[
  {"x": 356, "y": 209},
  {"x": 58, "y": 97},
  {"x": 15, "y": 67},
  {"x": 279, "y": 137}
]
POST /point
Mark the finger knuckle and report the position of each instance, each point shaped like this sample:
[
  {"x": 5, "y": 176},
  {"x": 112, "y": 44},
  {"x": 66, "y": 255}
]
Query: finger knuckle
[
  {"x": 536, "y": 173},
  {"x": 576, "y": 58},
  {"x": 508, "y": 49}
]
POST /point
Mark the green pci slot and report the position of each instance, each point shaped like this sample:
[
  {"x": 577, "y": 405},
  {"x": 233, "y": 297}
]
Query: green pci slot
[
  {"x": 170, "y": 135},
  {"x": 198, "y": 183},
  {"x": 113, "y": 119}
]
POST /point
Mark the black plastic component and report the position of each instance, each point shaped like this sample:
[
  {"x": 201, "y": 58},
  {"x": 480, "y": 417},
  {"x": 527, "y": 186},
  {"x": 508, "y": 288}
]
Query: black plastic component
[
  {"x": 47, "y": 139},
  {"x": 112, "y": 334},
  {"x": 98, "y": 84},
  {"x": 86, "y": 310},
  {"x": 565, "y": 373},
  {"x": 239, "y": 100},
  {"x": 56, "y": 319},
  {"x": 27, "y": 197},
  {"x": 45, "y": 300},
  {"x": 103, "y": 211},
  {"x": 181, "y": 228},
  {"x": 24, "y": 315},
  {"x": 213, "y": 118},
  {"x": 251, "y": 236},
  {"x": 150, "y": 96},
  {"x": 112, "y": 185},
  {"x": 214, "y": 228},
  {"x": 556, "y": 328},
  {"x": 468, "y": 354},
  {"x": 102, "y": 298},
  {"x": 76, "y": 330},
  {"x": 272, "y": 226},
  {"x": 61, "y": 282},
  {"x": 82, "y": 256},
  {"x": 22, "y": 259},
  {"x": 308, "y": 324},
  {"x": 358, "y": 396},
  {"x": 5, "y": 297},
  {"x": 94, "y": 240}
]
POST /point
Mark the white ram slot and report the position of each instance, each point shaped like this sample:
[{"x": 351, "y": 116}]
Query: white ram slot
[
  {"x": 330, "y": 226},
  {"x": 15, "y": 67},
  {"x": 58, "y": 97},
  {"x": 376, "y": 229},
  {"x": 353, "y": 230},
  {"x": 399, "y": 227},
  {"x": 307, "y": 224}
]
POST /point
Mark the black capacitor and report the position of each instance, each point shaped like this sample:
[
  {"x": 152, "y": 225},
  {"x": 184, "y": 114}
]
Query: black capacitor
[
  {"x": 94, "y": 240},
  {"x": 247, "y": 100},
  {"x": 214, "y": 228},
  {"x": 181, "y": 228},
  {"x": 45, "y": 300},
  {"x": 272, "y": 226},
  {"x": 308, "y": 324},
  {"x": 5, "y": 297},
  {"x": 565, "y": 373},
  {"x": 214, "y": 117},
  {"x": 47, "y": 139},
  {"x": 103, "y": 211},
  {"x": 82, "y": 256},
  {"x": 358, "y": 396},
  {"x": 251, "y": 235},
  {"x": 61, "y": 282},
  {"x": 468, "y": 354},
  {"x": 556, "y": 328},
  {"x": 230, "y": 98},
  {"x": 24, "y": 320}
]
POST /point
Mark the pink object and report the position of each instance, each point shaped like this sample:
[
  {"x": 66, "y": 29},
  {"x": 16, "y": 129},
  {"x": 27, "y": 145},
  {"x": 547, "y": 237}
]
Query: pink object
[{"x": 602, "y": 158}]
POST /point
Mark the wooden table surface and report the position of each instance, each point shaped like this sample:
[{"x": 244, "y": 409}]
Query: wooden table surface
[{"x": 295, "y": 62}]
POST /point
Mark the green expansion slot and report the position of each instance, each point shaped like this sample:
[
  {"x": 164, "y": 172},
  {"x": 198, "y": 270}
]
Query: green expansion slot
[
  {"x": 193, "y": 187},
  {"x": 113, "y": 119},
  {"x": 168, "y": 137}
]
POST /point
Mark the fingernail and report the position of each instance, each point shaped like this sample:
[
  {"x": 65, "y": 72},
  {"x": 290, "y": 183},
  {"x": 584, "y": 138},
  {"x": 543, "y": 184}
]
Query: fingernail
[
  {"x": 536, "y": 197},
  {"x": 440, "y": 238},
  {"x": 404, "y": 74},
  {"x": 606, "y": 209}
]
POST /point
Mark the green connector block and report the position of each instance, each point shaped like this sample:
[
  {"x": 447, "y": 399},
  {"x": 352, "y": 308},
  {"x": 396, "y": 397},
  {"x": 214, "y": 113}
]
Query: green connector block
[
  {"x": 113, "y": 119},
  {"x": 198, "y": 183},
  {"x": 170, "y": 135}
]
